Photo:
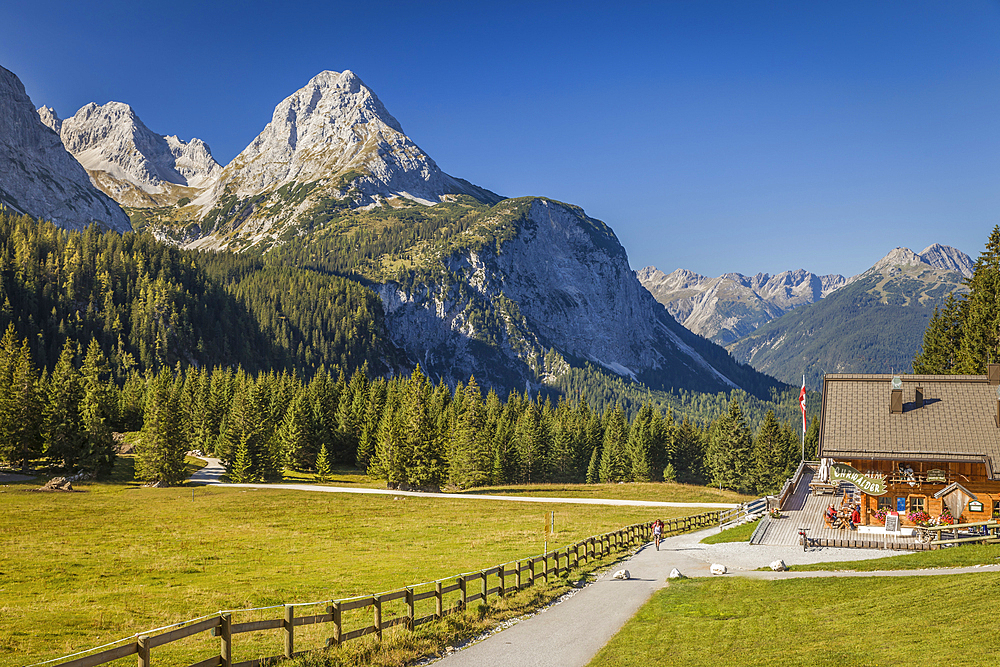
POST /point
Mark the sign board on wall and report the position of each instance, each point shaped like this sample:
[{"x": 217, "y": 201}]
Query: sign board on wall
[
  {"x": 873, "y": 485},
  {"x": 975, "y": 506},
  {"x": 892, "y": 522}
]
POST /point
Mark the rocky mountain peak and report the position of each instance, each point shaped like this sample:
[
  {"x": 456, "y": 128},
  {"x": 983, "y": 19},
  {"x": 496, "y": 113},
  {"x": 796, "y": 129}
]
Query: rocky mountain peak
[
  {"x": 50, "y": 119},
  {"x": 37, "y": 176},
  {"x": 111, "y": 138},
  {"x": 948, "y": 258},
  {"x": 936, "y": 255}
]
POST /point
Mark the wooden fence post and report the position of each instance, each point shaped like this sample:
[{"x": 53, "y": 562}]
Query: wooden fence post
[
  {"x": 226, "y": 640},
  {"x": 377, "y": 606},
  {"x": 545, "y": 568},
  {"x": 143, "y": 646},
  {"x": 438, "y": 601},
  {"x": 337, "y": 626},
  {"x": 482, "y": 583},
  {"x": 501, "y": 573},
  {"x": 289, "y": 626},
  {"x": 517, "y": 575},
  {"x": 410, "y": 603},
  {"x": 462, "y": 588},
  {"x": 531, "y": 571}
]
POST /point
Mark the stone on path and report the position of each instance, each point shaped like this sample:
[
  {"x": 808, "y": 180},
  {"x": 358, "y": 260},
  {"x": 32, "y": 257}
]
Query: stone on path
[
  {"x": 675, "y": 574},
  {"x": 621, "y": 574},
  {"x": 718, "y": 569},
  {"x": 779, "y": 566}
]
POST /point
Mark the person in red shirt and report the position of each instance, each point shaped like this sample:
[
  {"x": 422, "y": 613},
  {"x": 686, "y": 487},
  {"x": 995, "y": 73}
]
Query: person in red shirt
[{"x": 855, "y": 517}]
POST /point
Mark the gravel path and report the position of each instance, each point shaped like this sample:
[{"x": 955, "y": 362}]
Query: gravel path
[
  {"x": 211, "y": 474},
  {"x": 571, "y": 632}
]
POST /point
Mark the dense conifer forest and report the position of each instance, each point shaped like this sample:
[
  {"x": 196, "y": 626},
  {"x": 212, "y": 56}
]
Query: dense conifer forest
[{"x": 278, "y": 362}]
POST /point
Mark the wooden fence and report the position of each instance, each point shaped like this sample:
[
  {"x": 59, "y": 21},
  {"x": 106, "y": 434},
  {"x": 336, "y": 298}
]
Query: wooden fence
[{"x": 462, "y": 589}]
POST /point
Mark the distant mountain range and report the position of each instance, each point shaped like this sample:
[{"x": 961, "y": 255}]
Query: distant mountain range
[
  {"x": 517, "y": 292},
  {"x": 732, "y": 306},
  {"x": 869, "y": 323}
]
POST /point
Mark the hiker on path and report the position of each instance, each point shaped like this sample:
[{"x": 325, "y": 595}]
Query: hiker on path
[{"x": 657, "y": 532}]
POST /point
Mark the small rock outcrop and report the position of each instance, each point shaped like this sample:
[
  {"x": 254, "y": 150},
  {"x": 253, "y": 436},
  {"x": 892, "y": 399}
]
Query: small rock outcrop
[{"x": 57, "y": 484}]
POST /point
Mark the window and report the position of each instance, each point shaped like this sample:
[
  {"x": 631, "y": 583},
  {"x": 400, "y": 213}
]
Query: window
[
  {"x": 885, "y": 503},
  {"x": 916, "y": 504},
  {"x": 996, "y": 508}
]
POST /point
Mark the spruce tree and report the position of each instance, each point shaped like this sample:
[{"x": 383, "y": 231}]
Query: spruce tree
[
  {"x": 63, "y": 429},
  {"x": 614, "y": 466},
  {"x": 96, "y": 410},
  {"x": 26, "y": 410},
  {"x": 730, "y": 448},
  {"x": 163, "y": 443},
  {"x": 323, "y": 465}
]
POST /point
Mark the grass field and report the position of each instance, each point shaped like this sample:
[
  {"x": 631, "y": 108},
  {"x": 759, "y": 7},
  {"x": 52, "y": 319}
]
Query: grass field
[
  {"x": 740, "y": 533},
  {"x": 824, "y": 622},
  {"x": 81, "y": 569},
  {"x": 964, "y": 555}
]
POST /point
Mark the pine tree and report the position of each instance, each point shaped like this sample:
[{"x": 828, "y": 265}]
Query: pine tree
[
  {"x": 323, "y": 471},
  {"x": 27, "y": 406},
  {"x": 163, "y": 444},
  {"x": 63, "y": 429},
  {"x": 614, "y": 457},
  {"x": 593, "y": 472},
  {"x": 730, "y": 448},
  {"x": 770, "y": 456},
  {"x": 96, "y": 410}
]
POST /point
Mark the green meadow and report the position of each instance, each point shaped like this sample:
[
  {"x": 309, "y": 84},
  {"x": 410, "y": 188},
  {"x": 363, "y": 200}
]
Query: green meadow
[{"x": 112, "y": 559}]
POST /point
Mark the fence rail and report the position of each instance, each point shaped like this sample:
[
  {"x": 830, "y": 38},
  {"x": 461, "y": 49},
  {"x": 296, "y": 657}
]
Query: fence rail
[{"x": 471, "y": 587}]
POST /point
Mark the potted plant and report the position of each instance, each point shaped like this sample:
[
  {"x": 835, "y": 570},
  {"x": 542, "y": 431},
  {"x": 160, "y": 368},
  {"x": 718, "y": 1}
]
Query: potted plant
[
  {"x": 774, "y": 513},
  {"x": 919, "y": 518},
  {"x": 880, "y": 515}
]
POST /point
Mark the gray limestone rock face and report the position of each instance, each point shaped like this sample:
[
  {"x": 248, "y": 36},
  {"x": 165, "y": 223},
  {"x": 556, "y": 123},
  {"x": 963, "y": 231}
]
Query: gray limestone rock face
[
  {"x": 111, "y": 138},
  {"x": 38, "y": 176}
]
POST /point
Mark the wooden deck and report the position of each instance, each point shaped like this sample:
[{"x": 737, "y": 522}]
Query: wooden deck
[{"x": 804, "y": 510}]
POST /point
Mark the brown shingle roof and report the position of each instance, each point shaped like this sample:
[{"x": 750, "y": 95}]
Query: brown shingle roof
[{"x": 957, "y": 422}]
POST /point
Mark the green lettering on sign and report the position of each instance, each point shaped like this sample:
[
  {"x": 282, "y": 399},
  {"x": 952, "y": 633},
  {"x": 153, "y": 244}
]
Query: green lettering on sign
[{"x": 873, "y": 485}]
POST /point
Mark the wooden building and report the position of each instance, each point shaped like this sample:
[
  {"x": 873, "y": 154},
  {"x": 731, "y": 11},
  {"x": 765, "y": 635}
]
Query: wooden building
[{"x": 918, "y": 443}]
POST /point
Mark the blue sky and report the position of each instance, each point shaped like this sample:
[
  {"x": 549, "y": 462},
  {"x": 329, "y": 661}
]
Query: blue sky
[{"x": 713, "y": 136}]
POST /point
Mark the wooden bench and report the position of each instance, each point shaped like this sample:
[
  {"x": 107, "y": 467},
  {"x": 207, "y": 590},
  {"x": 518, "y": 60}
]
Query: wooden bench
[{"x": 822, "y": 487}]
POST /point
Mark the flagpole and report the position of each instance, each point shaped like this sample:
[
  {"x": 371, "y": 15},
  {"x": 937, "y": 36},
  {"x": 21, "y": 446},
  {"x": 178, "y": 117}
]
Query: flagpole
[{"x": 802, "y": 402}]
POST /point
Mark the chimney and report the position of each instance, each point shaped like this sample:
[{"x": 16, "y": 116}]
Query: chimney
[
  {"x": 896, "y": 396},
  {"x": 918, "y": 400},
  {"x": 993, "y": 374}
]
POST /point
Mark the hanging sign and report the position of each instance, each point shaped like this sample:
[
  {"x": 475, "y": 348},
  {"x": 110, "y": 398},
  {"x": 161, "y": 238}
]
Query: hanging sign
[{"x": 873, "y": 485}]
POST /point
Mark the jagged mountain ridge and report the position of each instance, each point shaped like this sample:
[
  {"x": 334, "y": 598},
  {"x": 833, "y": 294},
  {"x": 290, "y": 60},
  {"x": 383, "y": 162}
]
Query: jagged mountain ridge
[
  {"x": 728, "y": 307},
  {"x": 130, "y": 162},
  {"x": 38, "y": 176},
  {"x": 731, "y": 306},
  {"x": 535, "y": 287},
  {"x": 874, "y": 324}
]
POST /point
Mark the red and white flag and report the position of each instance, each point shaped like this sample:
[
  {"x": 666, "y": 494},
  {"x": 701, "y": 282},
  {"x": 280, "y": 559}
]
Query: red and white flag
[{"x": 802, "y": 404}]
